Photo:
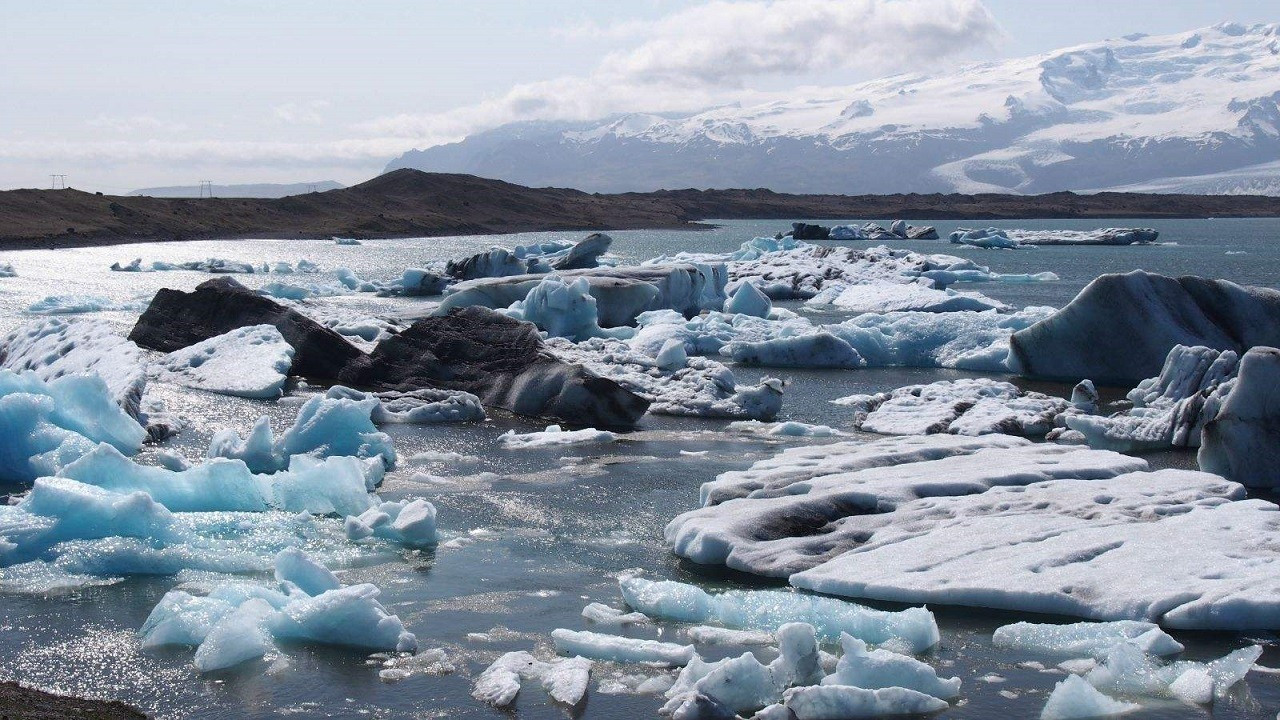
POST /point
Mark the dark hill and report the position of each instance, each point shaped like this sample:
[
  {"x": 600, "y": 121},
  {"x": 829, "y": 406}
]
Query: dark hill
[{"x": 411, "y": 203}]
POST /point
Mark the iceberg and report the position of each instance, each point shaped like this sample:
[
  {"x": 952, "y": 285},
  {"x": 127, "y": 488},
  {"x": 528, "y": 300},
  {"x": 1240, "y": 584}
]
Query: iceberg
[
  {"x": 74, "y": 304},
  {"x": 238, "y": 622},
  {"x": 989, "y": 238},
  {"x": 561, "y": 309},
  {"x": 1239, "y": 442},
  {"x": 564, "y": 679},
  {"x": 407, "y": 522},
  {"x": 55, "y": 347},
  {"x": 875, "y": 669},
  {"x": 1126, "y": 669},
  {"x": 748, "y": 300},
  {"x": 1093, "y": 639},
  {"x": 326, "y": 426},
  {"x": 252, "y": 362},
  {"x": 1075, "y": 699},
  {"x": 770, "y": 609},
  {"x": 615, "y": 648},
  {"x": 1101, "y": 236},
  {"x": 416, "y": 407},
  {"x": 842, "y": 702},
  {"x": 1120, "y": 328}
]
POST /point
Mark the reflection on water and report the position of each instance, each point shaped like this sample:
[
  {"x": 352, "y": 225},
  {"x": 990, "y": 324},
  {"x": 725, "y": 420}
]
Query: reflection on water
[{"x": 531, "y": 536}]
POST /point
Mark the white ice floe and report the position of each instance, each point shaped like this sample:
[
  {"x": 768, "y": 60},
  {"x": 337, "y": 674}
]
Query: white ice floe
[
  {"x": 1076, "y": 699},
  {"x": 325, "y": 426},
  {"x": 990, "y": 238},
  {"x": 560, "y": 308},
  {"x": 55, "y": 347},
  {"x": 1093, "y": 639},
  {"x": 251, "y": 361},
  {"x": 960, "y": 407},
  {"x": 1101, "y": 236},
  {"x": 555, "y": 436},
  {"x": 346, "y": 241},
  {"x": 915, "y": 628},
  {"x": 1239, "y": 443},
  {"x": 998, "y": 522},
  {"x": 711, "y": 635},
  {"x": 218, "y": 266},
  {"x": 1170, "y": 409},
  {"x": 599, "y": 646},
  {"x": 903, "y": 297},
  {"x": 6, "y": 270},
  {"x": 748, "y": 300},
  {"x": 564, "y": 679},
  {"x": 238, "y": 621}
]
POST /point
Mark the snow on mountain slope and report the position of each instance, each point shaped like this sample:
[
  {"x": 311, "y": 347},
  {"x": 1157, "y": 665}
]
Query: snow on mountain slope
[{"x": 1142, "y": 111}]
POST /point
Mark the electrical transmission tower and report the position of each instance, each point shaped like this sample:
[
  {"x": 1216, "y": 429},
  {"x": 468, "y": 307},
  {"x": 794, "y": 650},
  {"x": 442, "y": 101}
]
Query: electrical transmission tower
[
  {"x": 57, "y": 182},
  {"x": 206, "y": 188}
]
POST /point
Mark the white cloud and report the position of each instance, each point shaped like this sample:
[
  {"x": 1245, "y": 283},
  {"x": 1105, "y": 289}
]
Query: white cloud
[
  {"x": 300, "y": 113},
  {"x": 707, "y": 55}
]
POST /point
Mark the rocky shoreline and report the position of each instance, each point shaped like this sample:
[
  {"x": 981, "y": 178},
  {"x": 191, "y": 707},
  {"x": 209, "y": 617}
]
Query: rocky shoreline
[
  {"x": 23, "y": 703},
  {"x": 411, "y": 203}
]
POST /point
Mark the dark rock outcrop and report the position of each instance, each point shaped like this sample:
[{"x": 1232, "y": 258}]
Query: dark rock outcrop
[
  {"x": 805, "y": 231},
  {"x": 502, "y": 361},
  {"x": 1120, "y": 328},
  {"x": 177, "y": 319}
]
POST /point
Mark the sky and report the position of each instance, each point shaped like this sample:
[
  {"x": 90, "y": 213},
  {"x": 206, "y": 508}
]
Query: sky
[{"x": 119, "y": 95}]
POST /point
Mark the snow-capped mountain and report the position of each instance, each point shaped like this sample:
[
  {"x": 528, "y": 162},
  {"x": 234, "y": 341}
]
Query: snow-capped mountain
[{"x": 1197, "y": 111}]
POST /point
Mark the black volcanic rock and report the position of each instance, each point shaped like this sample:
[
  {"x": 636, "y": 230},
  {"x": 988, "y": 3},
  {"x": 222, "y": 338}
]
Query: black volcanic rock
[
  {"x": 923, "y": 232},
  {"x": 805, "y": 231},
  {"x": 501, "y": 360},
  {"x": 585, "y": 254},
  {"x": 177, "y": 319}
]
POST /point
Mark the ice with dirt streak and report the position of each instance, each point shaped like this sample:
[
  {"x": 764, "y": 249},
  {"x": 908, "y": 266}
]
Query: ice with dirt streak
[
  {"x": 55, "y": 347},
  {"x": 1028, "y": 527},
  {"x": 903, "y": 297},
  {"x": 976, "y": 406}
]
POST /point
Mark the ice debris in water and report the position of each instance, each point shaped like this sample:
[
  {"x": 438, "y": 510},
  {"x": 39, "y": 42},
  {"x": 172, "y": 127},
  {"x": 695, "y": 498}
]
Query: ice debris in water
[
  {"x": 827, "y": 702},
  {"x": 903, "y": 297},
  {"x": 251, "y": 361},
  {"x": 407, "y": 522},
  {"x": 915, "y": 628},
  {"x": 325, "y": 426},
  {"x": 791, "y": 428},
  {"x": 564, "y": 679},
  {"x": 555, "y": 436},
  {"x": 1085, "y": 638},
  {"x": 602, "y": 614},
  {"x": 561, "y": 308},
  {"x": 748, "y": 300},
  {"x": 1076, "y": 699},
  {"x": 1127, "y": 669},
  {"x": 75, "y": 304},
  {"x": 237, "y": 621},
  {"x": 969, "y": 406}
]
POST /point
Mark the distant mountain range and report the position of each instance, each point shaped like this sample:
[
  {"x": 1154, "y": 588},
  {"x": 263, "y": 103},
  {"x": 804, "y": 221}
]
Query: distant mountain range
[
  {"x": 1194, "y": 112},
  {"x": 258, "y": 190}
]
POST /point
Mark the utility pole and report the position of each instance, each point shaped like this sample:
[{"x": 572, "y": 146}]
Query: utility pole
[
  {"x": 57, "y": 182},
  {"x": 206, "y": 186}
]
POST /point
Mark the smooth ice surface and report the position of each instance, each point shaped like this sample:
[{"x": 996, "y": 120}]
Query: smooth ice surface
[
  {"x": 770, "y": 609},
  {"x": 249, "y": 362},
  {"x": 1093, "y": 639},
  {"x": 748, "y": 300},
  {"x": 600, "y": 646},
  {"x": 1076, "y": 699}
]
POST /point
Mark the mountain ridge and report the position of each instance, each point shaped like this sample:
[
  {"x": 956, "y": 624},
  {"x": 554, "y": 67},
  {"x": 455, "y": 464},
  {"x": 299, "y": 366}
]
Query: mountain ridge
[{"x": 1139, "y": 111}]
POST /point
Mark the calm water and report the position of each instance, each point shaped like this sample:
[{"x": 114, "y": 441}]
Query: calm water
[{"x": 546, "y": 531}]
